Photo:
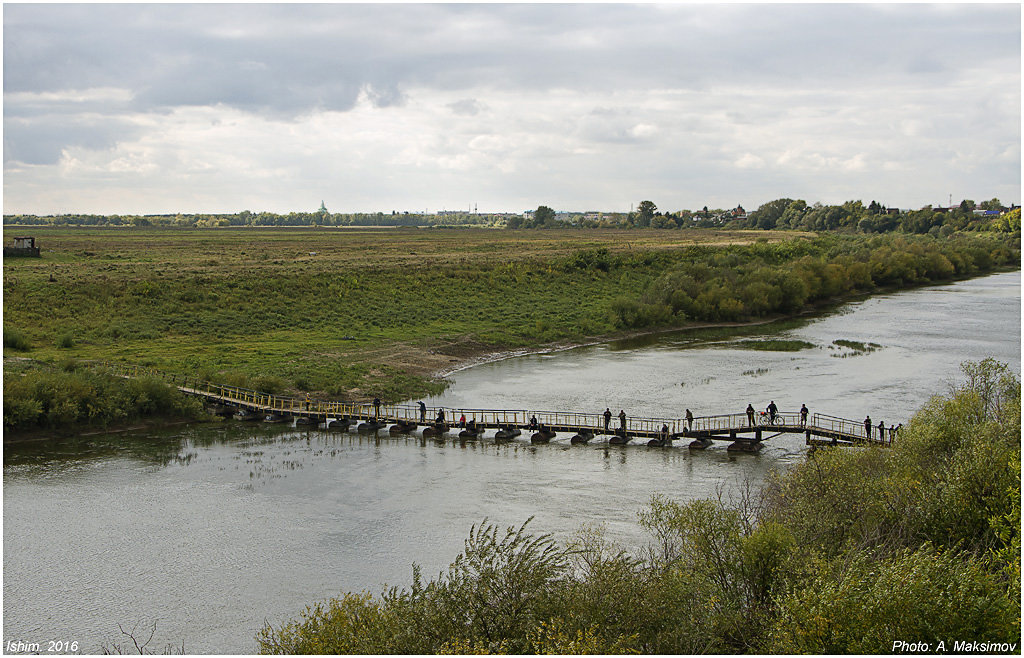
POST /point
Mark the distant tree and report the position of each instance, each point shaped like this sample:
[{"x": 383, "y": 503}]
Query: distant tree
[
  {"x": 991, "y": 204},
  {"x": 768, "y": 214},
  {"x": 792, "y": 216},
  {"x": 543, "y": 216},
  {"x": 645, "y": 213}
]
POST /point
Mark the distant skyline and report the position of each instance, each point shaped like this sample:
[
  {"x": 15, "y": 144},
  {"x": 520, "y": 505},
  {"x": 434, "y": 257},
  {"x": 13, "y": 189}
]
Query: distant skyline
[{"x": 196, "y": 108}]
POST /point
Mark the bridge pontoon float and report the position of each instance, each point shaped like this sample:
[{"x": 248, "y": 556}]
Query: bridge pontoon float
[{"x": 403, "y": 427}]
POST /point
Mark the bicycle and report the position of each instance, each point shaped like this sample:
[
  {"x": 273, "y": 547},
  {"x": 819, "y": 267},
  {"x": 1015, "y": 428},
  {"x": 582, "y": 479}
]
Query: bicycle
[{"x": 764, "y": 419}]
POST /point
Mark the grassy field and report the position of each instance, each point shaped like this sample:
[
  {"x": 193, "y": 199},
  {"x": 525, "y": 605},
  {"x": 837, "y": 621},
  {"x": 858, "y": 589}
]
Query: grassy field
[{"x": 345, "y": 313}]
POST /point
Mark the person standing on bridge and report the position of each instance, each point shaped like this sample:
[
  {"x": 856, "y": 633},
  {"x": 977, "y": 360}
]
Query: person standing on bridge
[
  {"x": 423, "y": 412},
  {"x": 773, "y": 411},
  {"x": 881, "y": 431},
  {"x": 376, "y": 408},
  {"x": 803, "y": 415},
  {"x": 750, "y": 414},
  {"x": 867, "y": 426},
  {"x": 622, "y": 420},
  {"x": 689, "y": 420},
  {"x": 462, "y": 421},
  {"x": 607, "y": 418}
]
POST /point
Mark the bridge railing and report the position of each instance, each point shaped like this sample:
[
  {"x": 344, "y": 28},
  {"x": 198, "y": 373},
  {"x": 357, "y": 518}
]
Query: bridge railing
[
  {"x": 569, "y": 419},
  {"x": 654, "y": 425},
  {"x": 853, "y": 428},
  {"x": 490, "y": 417},
  {"x": 839, "y": 425},
  {"x": 722, "y": 422},
  {"x": 737, "y": 421}
]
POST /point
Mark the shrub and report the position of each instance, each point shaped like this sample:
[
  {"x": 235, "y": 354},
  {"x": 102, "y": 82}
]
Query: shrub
[
  {"x": 862, "y": 605},
  {"x": 16, "y": 340}
]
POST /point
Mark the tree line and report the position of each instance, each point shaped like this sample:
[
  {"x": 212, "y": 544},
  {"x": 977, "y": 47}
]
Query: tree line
[
  {"x": 796, "y": 214},
  {"x": 784, "y": 213},
  {"x": 247, "y": 218}
]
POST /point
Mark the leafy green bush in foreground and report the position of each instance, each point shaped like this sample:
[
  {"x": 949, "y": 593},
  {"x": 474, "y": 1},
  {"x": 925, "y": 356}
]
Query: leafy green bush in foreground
[{"x": 844, "y": 553}]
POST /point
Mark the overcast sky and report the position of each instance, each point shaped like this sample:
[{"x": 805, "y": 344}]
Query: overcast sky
[{"x": 158, "y": 108}]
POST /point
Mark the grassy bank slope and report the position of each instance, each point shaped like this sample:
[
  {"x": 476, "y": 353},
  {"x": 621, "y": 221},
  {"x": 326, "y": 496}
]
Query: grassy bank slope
[
  {"x": 344, "y": 312},
  {"x": 364, "y": 313}
]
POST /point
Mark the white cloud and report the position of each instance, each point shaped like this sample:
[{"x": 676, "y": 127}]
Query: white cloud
[{"x": 749, "y": 161}]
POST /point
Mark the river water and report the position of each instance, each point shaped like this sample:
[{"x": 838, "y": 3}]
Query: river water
[{"x": 210, "y": 531}]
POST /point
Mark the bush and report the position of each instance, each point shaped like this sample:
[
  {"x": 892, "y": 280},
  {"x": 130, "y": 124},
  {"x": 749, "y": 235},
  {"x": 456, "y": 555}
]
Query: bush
[
  {"x": 862, "y": 605},
  {"x": 16, "y": 340},
  {"x": 62, "y": 399}
]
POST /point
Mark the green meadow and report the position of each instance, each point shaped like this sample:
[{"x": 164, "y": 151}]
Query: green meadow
[{"x": 352, "y": 313}]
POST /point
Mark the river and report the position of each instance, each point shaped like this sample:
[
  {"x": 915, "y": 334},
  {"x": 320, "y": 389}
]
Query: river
[{"x": 209, "y": 531}]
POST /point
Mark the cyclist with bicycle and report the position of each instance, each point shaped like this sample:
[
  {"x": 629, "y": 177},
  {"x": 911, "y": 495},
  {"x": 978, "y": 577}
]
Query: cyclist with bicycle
[{"x": 773, "y": 411}]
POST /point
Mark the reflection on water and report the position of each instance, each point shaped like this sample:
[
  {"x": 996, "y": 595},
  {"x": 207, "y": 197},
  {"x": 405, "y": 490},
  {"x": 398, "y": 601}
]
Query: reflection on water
[{"x": 210, "y": 531}]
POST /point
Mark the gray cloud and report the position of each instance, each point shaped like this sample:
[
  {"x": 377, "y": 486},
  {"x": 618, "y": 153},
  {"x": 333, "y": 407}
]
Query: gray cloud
[
  {"x": 667, "y": 96},
  {"x": 296, "y": 58}
]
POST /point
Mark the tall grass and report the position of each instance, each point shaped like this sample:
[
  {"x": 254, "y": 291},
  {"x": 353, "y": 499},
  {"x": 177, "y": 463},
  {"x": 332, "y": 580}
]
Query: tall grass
[{"x": 62, "y": 399}]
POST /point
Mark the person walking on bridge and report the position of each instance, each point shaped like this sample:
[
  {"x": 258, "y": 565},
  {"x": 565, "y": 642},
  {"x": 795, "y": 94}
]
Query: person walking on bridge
[
  {"x": 622, "y": 421},
  {"x": 689, "y": 420},
  {"x": 803, "y": 415},
  {"x": 750, "y": 414},
  {"x": 607, "y": 418},
  {"x": 423, "y": 412},
  {"x": 867, "y": 426}
]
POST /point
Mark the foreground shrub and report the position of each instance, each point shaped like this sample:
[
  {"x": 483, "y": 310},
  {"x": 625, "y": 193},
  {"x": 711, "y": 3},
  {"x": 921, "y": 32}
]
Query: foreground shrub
[{"x": 862, "y": 605}]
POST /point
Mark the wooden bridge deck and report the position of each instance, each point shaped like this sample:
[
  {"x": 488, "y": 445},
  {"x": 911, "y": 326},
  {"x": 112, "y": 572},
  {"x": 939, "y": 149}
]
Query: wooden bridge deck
[{"x": 820, "y": 429}]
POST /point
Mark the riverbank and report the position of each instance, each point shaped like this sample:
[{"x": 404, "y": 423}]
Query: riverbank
[
  {"x": 390, "y": 314},
  {"x": 478, "y": 355}
]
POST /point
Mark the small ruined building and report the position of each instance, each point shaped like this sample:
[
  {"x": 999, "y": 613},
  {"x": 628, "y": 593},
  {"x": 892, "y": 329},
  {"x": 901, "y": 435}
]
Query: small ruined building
[{"x": 22, "y": 247}]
